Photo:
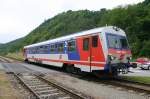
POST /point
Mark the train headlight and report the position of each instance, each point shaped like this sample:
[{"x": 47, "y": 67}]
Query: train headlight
[
  {"x": 111, "y": 57},
  {"x": 129, "y": 58}
]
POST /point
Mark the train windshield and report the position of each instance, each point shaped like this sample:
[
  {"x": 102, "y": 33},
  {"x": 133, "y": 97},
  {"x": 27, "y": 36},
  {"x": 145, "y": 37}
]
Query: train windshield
[{"x": 117, "y": 42}]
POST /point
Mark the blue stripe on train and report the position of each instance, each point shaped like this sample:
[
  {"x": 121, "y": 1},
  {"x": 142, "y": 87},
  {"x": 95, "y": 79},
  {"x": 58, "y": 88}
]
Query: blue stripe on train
[{"x": 74, "y": 55}]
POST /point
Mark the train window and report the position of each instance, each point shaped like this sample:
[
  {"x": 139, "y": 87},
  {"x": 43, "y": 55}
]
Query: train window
[
  {"x": 41, "y": 49},
  {"x": 86, "y": 44},
  {"x": 60, "y": 47},
  {"x": 124, "y": 43},
  {"x": 45, "y": 49},
  {"x": 71, "y": 46},
  {"x": 29, "y": 50},
  {"x": 37, "y": 50},
  {"x": 113, "y": 41},
  {"x": 52, "y": 48},
  {"x": 32, "y": 50},
  {"x": 94, "y": 41},
  {"x": 56, "y": 46}
]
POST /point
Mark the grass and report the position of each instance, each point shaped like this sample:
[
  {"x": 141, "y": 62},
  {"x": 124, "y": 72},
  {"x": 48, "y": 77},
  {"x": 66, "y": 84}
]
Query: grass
[
  {"x": 3, "y": 81},
  {"x": 6, "y": 90},
  {"x": 17, "y": 56},
  {"x": 140, "y": 79}
]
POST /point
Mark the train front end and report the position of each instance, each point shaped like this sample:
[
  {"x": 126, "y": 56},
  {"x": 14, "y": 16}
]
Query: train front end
[{"x": 118, "y": 53}]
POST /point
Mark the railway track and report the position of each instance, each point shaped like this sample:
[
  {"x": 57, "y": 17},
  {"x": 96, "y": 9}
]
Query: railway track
[
  {"x": 41, "y": 88},
  {"x": 44, "y": 89},
  {"x": 4, "y": 60},
  {"x": 8, "y": 60}
]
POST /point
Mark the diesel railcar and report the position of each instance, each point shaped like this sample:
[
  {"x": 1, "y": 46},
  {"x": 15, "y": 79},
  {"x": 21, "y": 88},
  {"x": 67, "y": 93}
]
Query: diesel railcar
[{"x": 103, "y": 49}]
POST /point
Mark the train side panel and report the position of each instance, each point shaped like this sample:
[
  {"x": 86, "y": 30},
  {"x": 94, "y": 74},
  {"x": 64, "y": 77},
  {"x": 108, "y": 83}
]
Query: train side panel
[{"x": 86, "y": 60}]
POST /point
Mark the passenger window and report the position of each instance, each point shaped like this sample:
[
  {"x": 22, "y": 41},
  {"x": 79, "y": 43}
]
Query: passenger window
[
  {"x": 56, "y": 46},
  {"x": 60, "y": 47},
  {"x": 45, "y": 49},
  {"x": 36, "y": 50},
  {"x": 71, "y": 46},
  {"x": 94, "y": 41},
  {"x": 41, "y": 49},
  {"x": 33, "y": 50},
  {"x": 52, "y": 47},
  {"x": 86, "y": 44}
]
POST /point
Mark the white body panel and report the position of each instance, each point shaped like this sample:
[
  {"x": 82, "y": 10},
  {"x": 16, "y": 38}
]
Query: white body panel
[{"x": 49, "y": 56}]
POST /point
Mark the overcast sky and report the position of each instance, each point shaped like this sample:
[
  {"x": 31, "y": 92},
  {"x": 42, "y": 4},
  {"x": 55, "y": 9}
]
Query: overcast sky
[{"x": 19, "y": 17}]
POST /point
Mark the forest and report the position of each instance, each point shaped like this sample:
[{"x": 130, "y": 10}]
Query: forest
[{"x": 133, "y": 19}]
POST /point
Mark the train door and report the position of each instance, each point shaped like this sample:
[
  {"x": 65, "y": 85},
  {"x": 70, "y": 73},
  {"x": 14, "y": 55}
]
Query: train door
[
  {"x": 90, "y": 50},
  {"x": 86, "y": 50},
  {"x": 97, "y": 55}
]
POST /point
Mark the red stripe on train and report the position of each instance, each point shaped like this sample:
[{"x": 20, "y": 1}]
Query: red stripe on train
[
  {"x": 113, "y": 51},
  {"x": 70, "y": 62}
]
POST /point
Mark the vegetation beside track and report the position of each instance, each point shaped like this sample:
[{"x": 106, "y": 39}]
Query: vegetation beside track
[
  {"x": 140, "y": 79},
  {"x": 17, "y": 56},
  {"x": 6, "y": 90}
]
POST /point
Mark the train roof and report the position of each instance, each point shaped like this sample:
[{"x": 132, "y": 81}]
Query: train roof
[{"x": 108, "y": 29}]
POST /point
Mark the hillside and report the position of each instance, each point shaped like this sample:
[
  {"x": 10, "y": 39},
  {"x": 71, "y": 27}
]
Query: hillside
[
  {"x": 134, "y": 19},
  {"x": 1, "y": 44}
]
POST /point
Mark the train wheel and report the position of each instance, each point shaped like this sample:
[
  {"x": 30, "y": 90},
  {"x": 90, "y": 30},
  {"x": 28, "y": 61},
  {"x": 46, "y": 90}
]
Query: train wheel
[
  {"x": 67, "y": 69},
  {"x": 115, "y": 72},
  {"x": 70, "y": 68},
  {"x": 78, "y": 71},
  {"x": 26, "y": 60},
  {"x": 149, "y": 67}
]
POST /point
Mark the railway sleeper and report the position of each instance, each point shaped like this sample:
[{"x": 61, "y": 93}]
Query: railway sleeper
[
  {"x": 43, "y": 88},
  {"x": 48, "y": 96},
  {"x": 39, "y": 86},
  {"x": 45, "y": 91},
  {"x": 36, "y": 84}
]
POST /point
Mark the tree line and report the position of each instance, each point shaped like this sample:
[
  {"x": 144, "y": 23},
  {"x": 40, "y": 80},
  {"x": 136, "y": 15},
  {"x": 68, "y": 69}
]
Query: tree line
[{"x": 133, "y": 19}]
